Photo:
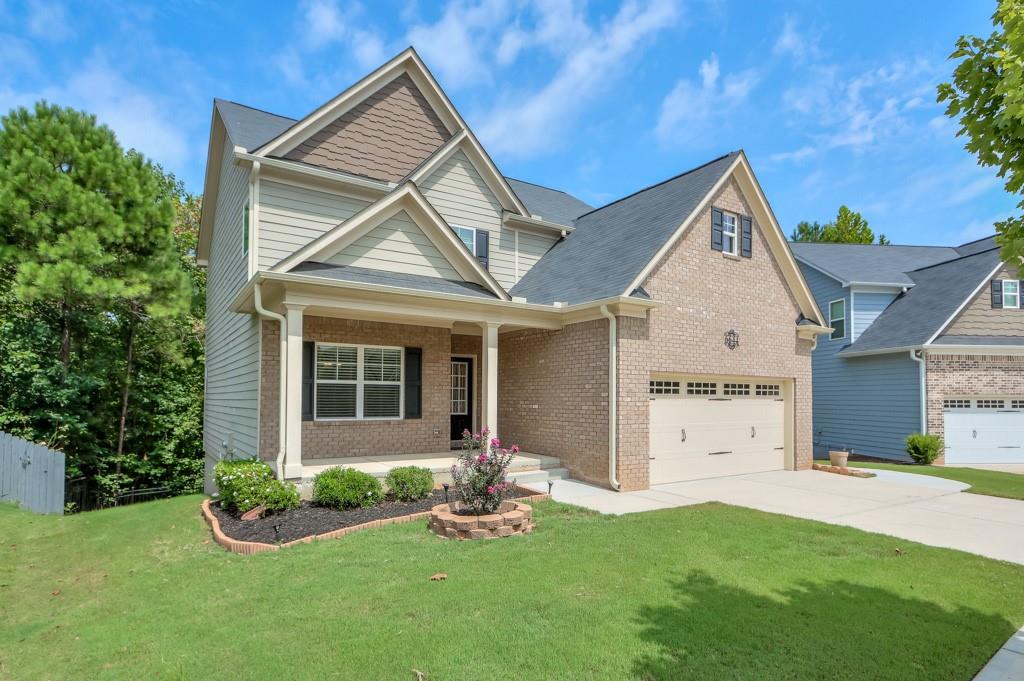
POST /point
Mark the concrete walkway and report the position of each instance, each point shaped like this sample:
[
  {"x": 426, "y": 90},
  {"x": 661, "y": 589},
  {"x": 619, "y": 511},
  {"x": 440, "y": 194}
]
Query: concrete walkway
[
  {"x": 1017, "y": 468},
  {"x": 1008, "y": 662},
  {"x": 915, "y": 507}
]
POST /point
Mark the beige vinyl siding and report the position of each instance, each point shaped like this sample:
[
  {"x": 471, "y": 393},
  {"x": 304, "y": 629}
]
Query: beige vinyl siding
[
  {"x": 291, "y": 217},
  {"x": 461, "y": 196},
  {"x": 979, "y": 319},
  {"x": 397, "y": 245},
  {"x": 531, "y": 248},
  {"x": 232, "y": 339}
]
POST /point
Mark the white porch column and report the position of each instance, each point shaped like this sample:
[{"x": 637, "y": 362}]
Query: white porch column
[
  {"x": 489, "y": 372},
  {"x": 293, "y": 443}
]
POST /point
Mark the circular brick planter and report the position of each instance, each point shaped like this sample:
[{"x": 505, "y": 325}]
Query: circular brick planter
[{"x": 512, "y": 518}]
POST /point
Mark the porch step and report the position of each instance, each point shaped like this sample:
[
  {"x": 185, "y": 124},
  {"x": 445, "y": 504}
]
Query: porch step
[{"x": 538, "y": 480}]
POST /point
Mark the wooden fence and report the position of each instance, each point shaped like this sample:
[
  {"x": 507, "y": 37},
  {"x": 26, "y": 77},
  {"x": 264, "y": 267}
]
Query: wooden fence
[{"x": 31, "y": 475}]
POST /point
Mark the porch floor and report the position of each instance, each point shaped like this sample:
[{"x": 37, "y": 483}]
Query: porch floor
[{"x": 439, "y": 463}]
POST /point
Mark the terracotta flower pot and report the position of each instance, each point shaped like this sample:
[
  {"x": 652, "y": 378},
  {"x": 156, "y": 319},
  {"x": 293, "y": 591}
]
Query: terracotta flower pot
[{"x": 838, "y": 458}]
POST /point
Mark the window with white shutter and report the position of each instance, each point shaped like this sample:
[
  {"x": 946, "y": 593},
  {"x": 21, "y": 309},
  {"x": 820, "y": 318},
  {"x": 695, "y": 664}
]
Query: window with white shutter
[{"x": 358, "y": 382}]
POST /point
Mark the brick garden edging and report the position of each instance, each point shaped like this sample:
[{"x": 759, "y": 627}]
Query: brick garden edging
[
  {"x": 511, "y": 519},
  {"x": 251, "y": 547},
  {"x": 852, "y": 472}
]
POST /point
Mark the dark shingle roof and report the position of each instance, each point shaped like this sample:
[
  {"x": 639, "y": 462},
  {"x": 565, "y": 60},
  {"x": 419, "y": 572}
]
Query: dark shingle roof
[
  {"x": 248, "y": 127},
  {"x": 979, "y": 340},
  {"x": 918, "y": 314},
  {"x": 417, "y": 282},
  {"x": 612, "y": 245},
  {"x": 972, "y": 247},
  {"x": 551, "y": 205},
  {"x": 871, "y": 263}
]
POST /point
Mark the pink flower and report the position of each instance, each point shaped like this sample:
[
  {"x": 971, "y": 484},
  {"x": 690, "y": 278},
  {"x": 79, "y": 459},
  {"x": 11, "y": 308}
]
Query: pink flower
[
  {"x": 483, "y": 458},
  {"x": 495, "y": 442},
  {"x": 490, "y": 490},
  {"x": 515, "y": 449},
  {"x": 485, "y": 431},
  {"x": 465, "y": 432},
  {"x": 476, "y": 436}
]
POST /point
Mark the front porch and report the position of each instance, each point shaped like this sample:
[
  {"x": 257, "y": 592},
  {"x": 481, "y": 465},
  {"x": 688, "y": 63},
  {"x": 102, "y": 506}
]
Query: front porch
[{"x": 529, "y": 470}]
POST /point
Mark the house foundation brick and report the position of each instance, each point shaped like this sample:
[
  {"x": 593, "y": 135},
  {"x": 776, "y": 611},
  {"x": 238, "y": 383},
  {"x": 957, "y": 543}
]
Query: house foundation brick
[{"x": 949, "y": 376}]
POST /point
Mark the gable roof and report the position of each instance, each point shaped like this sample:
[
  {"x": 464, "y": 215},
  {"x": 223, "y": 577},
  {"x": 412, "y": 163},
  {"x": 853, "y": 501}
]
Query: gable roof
[
  {"x": 613, "y": 244},
  {"x": 419, "y": 282},
  {"x": 972, "y": 247},
  {"x": 870, "y": 263},
  {"x": 915, "y": 317},
  {"x": 549, "y": 204},
  {"x": 248, "y": 127}
]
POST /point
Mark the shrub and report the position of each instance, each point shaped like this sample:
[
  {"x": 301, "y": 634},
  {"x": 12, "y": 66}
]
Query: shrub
[
  {"x": 346, "y": 488},
  {"x": 923, "y": 449},
  {"x": 410, "y": 483},
  {"x": 243, "y": 483},
  {"x": 281, "y": 496},
  {"x": 479, "y": 474}
]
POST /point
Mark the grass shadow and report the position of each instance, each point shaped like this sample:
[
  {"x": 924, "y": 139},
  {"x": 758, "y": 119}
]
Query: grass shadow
[{"x": 815, "y": 630}]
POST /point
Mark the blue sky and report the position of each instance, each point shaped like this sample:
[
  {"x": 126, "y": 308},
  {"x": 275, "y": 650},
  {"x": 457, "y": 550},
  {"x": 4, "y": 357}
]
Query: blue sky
[{"x": 834, "y": 102}]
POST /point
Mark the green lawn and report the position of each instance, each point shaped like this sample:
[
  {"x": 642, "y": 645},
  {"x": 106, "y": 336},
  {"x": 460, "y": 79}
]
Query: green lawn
[
  {"x": 992, "y": 483},
  {"x": 705, "y": 592}
]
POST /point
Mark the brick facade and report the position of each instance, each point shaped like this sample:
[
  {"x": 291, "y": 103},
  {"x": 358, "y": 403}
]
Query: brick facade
[
  {"x": 335, "y": 439},
  {"x": 704, "y": 294},
  {"x": 553, "y": 395},
  {"x": 969, "y": 376}
]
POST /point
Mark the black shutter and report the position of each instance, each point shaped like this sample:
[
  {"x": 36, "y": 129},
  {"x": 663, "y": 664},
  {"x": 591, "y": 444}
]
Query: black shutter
[
  {"x": 716, "y": 229},
  {"x": 746, "y": 236},
  {"x": 997, "y": 294},
  {"x": 482, "y": 247},
  {"x": 413, "y": 383},
  {"x": 1020, "y": 297},
  {"x": 308, "y": 363}
]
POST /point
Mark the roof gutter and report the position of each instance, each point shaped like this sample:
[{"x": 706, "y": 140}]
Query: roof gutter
[
  {"x": 613, "y": 479},
  {"x": 344, "y": 178},
  {"x": 537, "y": 224},
  {"x": 282, "y": 414}
]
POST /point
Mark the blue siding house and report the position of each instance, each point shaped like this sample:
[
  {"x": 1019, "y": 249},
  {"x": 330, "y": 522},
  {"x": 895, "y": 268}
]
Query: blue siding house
[{"x": 890, "y": 308}]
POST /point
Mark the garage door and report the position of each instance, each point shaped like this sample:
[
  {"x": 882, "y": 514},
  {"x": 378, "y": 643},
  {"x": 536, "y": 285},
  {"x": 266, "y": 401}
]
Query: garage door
[
  {"x": 706, "y": 428},
  {"x": 989, "y": 430}
]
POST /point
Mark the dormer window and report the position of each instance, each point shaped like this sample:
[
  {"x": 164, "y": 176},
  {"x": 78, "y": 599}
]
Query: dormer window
[
  {"x": 1011, "y": 293},
  {"x": 467, "y": 235}
]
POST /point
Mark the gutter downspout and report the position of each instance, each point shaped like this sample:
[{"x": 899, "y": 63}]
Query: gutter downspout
[
  {"x": 613, "y": 480},
  {"x": 923, "y": 389},
  {"x": 282, "y": 414}
]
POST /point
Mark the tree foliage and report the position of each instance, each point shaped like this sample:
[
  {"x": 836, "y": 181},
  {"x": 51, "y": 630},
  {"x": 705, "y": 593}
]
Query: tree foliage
[
  {"x": 849, "y": 227},
  {"x": 101, "y": 303},
  {"x": 986, "y": 96}
]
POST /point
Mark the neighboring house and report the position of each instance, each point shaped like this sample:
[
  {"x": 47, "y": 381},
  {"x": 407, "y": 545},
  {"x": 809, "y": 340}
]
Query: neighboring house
[
  {"x": 376, "y": 286},
  {"x": 925, "y": 339}
]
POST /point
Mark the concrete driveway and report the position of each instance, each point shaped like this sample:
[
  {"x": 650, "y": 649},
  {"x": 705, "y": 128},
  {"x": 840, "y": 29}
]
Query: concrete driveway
[{"x": 916, "y": 507}]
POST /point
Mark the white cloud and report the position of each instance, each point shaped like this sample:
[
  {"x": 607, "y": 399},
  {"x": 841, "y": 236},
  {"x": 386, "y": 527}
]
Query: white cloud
[
  {"x": 793, "y": 43},
  {"x": 526, "y": 125},
  {"x": 457, "y": 44},
  {"x": 323, "y": 25},
  {"x": 48, "y": 21},
  {"x": 688, "y": 110}
]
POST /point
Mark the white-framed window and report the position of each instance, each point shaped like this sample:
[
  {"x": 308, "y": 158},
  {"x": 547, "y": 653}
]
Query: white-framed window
[
  {"x": 663, "y": 387},
  {"x": 1011, "y": 293},
  {"x": 729, "y": 240},
  {"x": 467, "y": 235},
  {"x": 357, "y": 382},
  {"x": 701, "y": 388},
  {"x": 736, "y": 389},
  {"x": 837, "y": 318},
  {"x": 460, "y": 388},
  {"x": 245, "y": 228}
]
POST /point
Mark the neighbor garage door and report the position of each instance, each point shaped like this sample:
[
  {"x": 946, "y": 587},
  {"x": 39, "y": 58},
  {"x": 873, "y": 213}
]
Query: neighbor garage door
[
  {"x": 988, "y": 430},
  {"x": 707, "y": 427}
]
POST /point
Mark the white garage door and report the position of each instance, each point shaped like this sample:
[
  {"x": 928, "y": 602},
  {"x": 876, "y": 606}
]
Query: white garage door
[
  {"x": 706, "y": 428},
  {"x": 989, "y": 430}
]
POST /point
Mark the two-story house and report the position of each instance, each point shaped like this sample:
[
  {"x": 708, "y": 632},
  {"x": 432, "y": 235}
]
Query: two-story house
[
  {"x": 924, "y": 339},
  {"x": 376, "y": 286}
]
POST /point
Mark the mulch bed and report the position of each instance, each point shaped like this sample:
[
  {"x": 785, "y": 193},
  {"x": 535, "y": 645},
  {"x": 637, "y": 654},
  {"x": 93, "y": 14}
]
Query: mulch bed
[{"x": 309, "y": 519}]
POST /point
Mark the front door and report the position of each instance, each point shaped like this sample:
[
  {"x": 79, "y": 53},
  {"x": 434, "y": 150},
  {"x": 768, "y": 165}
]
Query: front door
[{"x": 461, "y": 396}]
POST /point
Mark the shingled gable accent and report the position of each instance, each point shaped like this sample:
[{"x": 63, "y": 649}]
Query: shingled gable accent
[
  {"x": 406, "y": 199},
  {"x": 384, "y": 137}
]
